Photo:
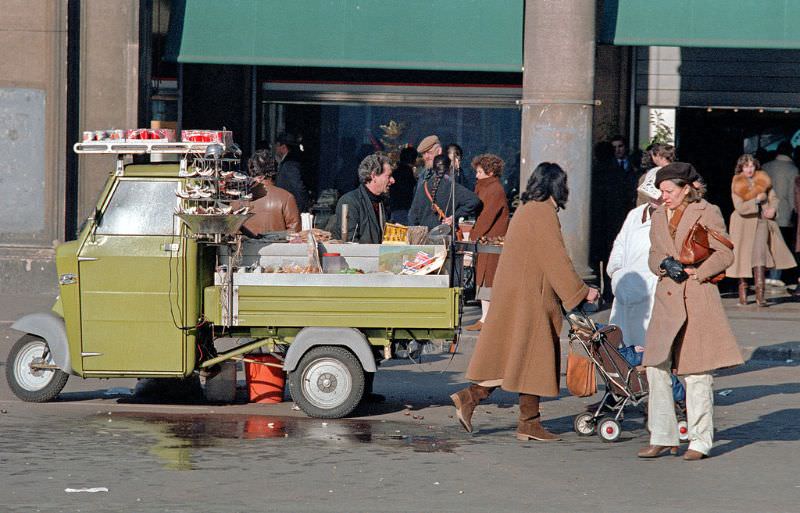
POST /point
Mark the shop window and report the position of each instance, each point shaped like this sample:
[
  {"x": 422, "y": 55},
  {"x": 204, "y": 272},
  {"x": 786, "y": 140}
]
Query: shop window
[{"x": 340, "y": 128}]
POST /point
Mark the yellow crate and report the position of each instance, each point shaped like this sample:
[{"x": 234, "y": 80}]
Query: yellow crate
[{"x": 395, "y": 234}]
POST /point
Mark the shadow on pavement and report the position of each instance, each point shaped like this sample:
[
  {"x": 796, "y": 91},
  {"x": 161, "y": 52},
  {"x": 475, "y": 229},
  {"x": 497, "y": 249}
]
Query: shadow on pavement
[
  {"x": 779, "y": 426},
  {"x": 749, "y": 393}
]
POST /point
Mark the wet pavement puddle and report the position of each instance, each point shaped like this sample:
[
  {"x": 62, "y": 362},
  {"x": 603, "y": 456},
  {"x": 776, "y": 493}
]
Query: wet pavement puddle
[{"x": 176, "y": 439}]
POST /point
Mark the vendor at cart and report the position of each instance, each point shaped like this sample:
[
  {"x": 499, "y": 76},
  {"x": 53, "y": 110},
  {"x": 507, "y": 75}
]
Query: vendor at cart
[
  {"x": 361, "y": 213},
  {"x": 274, "y": 209}
]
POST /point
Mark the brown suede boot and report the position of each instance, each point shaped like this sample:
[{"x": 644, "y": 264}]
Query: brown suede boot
[
  {"x": 466, "y": 400},
  {"x": 530, "y": 426},
  {"x": 758, "y": 279},
  {"x": 742, "y": 291}
]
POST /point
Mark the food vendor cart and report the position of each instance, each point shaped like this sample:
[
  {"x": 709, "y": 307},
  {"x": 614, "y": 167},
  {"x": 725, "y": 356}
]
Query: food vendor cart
[{"x": 159, "y": 274}]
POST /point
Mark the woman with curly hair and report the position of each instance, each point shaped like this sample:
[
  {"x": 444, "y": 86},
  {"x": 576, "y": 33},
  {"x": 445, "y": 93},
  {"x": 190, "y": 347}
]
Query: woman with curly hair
[
  {"x": 433, "y": 200},
  {"x": 492, "y": 222},
  {"x": 757, "y": 240},
  {"x": 518, "y": 348}
]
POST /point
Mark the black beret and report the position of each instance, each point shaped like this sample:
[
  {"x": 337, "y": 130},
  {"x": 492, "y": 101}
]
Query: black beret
[{"x": 677, "y": 171}]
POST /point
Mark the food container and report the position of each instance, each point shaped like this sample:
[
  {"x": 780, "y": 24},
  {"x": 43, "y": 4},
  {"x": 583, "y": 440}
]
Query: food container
[
  {"x": 224, "y": 137},
  {"x": 151, "y": 134},
  {"x": 333, "y": 263},
  {"x": 464, "y": 228}
]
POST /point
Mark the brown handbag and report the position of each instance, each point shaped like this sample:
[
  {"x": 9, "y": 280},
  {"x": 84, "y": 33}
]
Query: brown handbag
[
  {"x": 581, "y": 378},
  {"x": 696, "y": 248}
]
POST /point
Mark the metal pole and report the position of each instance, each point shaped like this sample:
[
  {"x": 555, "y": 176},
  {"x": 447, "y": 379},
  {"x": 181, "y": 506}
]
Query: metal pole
[{"x": 557, "y": 104}]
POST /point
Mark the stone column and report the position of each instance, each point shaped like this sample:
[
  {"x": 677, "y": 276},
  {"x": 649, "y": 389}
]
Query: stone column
[
  {"x": 557, "y": 104},
  {"x": 109, "y": 85}
]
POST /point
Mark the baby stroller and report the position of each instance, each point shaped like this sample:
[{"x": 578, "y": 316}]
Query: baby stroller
[{"x": 625, "y": 384}]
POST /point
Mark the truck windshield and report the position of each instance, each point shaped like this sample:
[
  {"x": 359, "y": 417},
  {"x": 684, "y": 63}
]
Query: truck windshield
[{"x": 141, "y": 207}]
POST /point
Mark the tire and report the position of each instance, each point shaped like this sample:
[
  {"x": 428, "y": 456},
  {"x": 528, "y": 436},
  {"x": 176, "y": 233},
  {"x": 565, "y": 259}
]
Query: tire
[
  {"x": 328, "y": 382},
  {"x": 33, "y": 386},
  {"x": 220, "y": 388},
  {"x": 609, "y": 429},
  {"x": 584, "y": 424},
  {"x": 683, "y": 431}
]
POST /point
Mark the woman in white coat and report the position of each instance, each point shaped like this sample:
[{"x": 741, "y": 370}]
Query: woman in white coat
[{"x": 632, "y": 281}]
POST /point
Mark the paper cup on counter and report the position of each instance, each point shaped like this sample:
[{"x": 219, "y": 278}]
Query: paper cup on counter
[{"x": 306, "y": 221}]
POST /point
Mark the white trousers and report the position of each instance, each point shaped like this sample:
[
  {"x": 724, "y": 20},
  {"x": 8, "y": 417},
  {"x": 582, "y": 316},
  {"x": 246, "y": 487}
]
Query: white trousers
[{"x": 661, "y": 418}]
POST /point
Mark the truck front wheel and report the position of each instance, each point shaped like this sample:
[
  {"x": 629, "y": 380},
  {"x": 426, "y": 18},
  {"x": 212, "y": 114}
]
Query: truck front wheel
[
  {"x": 328, "y": 382},
  {"x": 31, "y": 373}
]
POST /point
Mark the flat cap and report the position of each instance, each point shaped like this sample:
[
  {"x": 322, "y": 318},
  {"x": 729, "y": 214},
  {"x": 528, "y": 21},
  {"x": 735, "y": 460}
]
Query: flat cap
[
  {"x": 428, "y": 143},
  {"x": 288, "y": 139}
]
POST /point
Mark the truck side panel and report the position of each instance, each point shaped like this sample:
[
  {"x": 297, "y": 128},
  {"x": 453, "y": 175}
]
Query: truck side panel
[{"x": 349, "y": 307}]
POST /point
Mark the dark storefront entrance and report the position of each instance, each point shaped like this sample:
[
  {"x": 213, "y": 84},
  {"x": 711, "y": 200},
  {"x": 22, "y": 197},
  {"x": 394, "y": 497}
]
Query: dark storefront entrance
[{"x": 712, "y": 141}]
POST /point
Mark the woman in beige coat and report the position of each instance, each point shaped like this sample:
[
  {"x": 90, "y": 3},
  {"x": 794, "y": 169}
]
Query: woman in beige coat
[
  {"x": 758, "y": 243},
  {"x": 518, "y": 348},
  {"x": 688, "y": 330}
]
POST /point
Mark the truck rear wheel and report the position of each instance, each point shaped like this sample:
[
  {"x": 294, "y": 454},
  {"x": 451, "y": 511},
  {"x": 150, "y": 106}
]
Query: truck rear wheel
[
  {"x": 328, "y": 382},
  {"x": 31, "y": 384}
]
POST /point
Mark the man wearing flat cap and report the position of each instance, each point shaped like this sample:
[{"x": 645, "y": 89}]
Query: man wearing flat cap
[
  {"x": 290, "y": 174},
  {"x": 429, "y": 148}
]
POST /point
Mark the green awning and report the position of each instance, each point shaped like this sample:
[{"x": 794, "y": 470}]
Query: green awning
[
  {"x": 702, "y": 23},
  {"x": 464, "y": 35}
]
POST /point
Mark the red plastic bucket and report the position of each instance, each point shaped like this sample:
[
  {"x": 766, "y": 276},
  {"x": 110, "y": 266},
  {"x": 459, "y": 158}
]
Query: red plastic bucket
[{"x": 264, "y": 383}]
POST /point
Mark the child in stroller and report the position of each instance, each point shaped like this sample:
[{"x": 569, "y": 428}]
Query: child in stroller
[{"x": 625, "y": 382}]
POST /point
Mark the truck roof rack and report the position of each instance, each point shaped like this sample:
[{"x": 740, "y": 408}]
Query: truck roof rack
[
  {"x": 139, "y": 147},
  {"x": 122, "y": 148}
]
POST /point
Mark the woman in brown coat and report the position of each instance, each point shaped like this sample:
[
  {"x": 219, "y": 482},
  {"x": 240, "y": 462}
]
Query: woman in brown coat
[
  {"x": 758, "y": 243},
  {"x": 688, "y": 330},
  {"x": 518, "y": 348},
  {"x": 491, "y": 222}
]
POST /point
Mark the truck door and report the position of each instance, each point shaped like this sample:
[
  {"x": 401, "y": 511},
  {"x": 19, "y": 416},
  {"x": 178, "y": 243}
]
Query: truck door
[{"x": 131, "y": 277}]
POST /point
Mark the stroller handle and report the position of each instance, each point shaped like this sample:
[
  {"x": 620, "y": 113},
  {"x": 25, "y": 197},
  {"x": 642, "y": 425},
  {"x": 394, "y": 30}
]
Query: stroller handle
[{"x": 579, "y": 319}]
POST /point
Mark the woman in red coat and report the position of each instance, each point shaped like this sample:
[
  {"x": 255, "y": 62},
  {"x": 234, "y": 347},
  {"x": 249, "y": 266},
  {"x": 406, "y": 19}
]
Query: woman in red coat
[{"x": 492, "y": 222}]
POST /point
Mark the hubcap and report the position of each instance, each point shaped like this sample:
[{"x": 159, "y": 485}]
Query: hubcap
[
  {"x": 29, "y": 378},
  {"x": 327, "y": 383}
]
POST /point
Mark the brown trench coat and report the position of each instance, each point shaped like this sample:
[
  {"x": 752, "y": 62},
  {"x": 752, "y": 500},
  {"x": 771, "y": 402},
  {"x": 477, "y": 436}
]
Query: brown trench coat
[
  {"x": 688, "y": 318},
  {"x": 519, "y": 342},
  {"x": 492, "y": 222},
  {"x": 743, "y": 226}
]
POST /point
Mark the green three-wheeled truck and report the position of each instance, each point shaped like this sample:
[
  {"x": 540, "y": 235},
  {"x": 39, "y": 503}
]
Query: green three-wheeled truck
[{"x": 143, "y": 295}]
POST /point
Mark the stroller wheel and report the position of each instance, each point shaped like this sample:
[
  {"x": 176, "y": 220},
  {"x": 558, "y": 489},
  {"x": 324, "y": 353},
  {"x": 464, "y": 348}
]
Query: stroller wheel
[
  {"x": 683, "y": 431},
  {"x": 584, "y": 424},
  {"x": 609, "y": 429}
]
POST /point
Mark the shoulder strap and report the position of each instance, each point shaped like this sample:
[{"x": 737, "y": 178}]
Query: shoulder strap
[
  {"x": 721, "y": 238},
  {"x": 436, "y": 207}
]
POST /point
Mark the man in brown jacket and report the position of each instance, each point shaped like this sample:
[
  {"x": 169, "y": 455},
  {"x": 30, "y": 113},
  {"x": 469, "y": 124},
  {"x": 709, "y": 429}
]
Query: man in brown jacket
[{"x": 274, "y": 209}]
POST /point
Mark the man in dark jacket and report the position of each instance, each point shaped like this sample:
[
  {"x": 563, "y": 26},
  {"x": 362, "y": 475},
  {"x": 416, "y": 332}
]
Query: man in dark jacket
[
  {"x": 290, "y": 174},
  {"x": 366, "y": 205},
  {"x": 433, "y": 201}
]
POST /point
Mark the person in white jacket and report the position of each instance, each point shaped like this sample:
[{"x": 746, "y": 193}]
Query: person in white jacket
[{"x": 632, "y": 282}]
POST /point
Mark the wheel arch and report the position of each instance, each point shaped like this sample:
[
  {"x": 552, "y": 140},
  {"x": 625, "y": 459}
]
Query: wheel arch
[
  {"x": 49, "y": 326},
  {"x": 351, "y": 338}
]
